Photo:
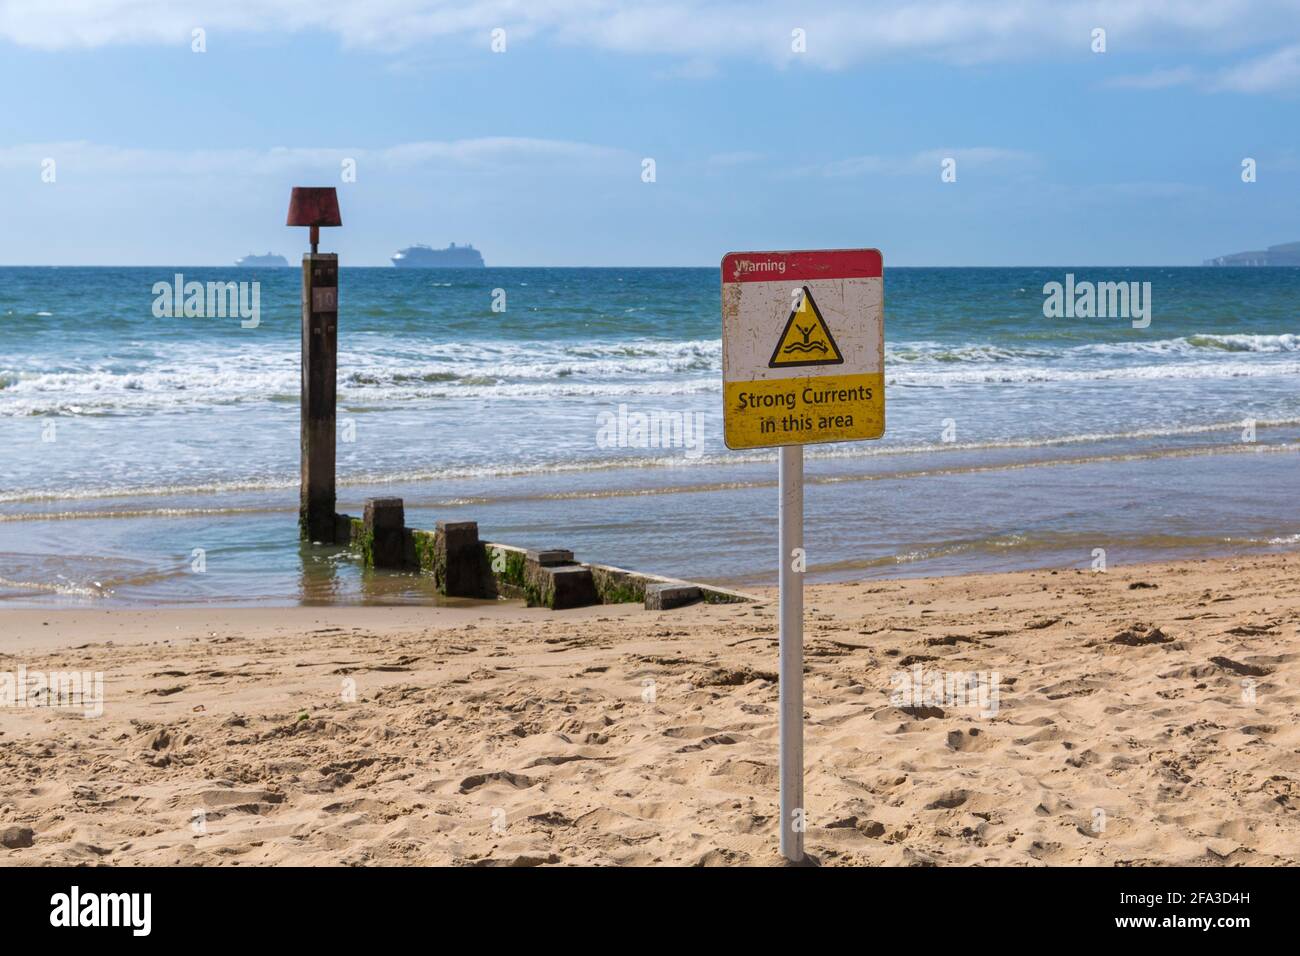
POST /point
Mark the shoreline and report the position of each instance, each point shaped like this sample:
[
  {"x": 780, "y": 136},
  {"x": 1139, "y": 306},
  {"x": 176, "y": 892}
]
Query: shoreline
[
  {"x": 927, "y": 516},
  {"x": 145, "y": 502},
  {"x": 495, "y": 734}
]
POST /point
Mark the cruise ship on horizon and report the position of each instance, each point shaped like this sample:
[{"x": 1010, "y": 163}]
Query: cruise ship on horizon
[
  {"x": 453, "y": 257},
  {"x": 268, "y": 261}
]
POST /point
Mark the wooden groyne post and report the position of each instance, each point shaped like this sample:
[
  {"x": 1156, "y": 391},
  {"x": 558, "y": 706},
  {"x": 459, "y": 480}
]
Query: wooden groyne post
[{"x": 316, "y": 207}]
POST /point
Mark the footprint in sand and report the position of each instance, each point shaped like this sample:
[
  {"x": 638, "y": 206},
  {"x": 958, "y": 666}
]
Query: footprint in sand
[
  {"x": 969, "y": 741},
  {"x": 516, "y": 780},
  {"x": 714, "y": 741}
]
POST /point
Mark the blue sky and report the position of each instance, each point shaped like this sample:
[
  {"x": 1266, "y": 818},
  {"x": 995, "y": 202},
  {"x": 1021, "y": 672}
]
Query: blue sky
[{"x": 1064, "y": 156}]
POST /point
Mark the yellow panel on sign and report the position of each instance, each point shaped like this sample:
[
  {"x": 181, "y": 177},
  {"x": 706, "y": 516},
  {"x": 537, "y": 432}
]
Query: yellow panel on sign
[{"x": 795, "y": 411}]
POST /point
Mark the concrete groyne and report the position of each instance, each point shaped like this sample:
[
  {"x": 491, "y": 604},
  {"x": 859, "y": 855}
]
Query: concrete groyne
[{"x": 464, "y": 566}]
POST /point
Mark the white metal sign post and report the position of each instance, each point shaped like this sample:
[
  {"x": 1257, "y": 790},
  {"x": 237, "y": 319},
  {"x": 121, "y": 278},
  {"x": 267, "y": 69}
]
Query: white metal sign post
[
  {"x": 802, "y": 363},
  {"x": 790, "y": 538}
]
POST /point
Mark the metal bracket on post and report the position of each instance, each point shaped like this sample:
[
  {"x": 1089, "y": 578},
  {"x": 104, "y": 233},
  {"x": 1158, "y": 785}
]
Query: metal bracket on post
[{"x": 790, "y": 537}]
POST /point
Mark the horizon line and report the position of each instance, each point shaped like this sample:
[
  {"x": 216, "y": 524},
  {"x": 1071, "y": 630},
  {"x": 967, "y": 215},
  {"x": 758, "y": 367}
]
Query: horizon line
[{"x": 391, "y": 268}]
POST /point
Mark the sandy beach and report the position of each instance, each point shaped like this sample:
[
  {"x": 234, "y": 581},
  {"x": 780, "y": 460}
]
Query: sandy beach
[{"x": 1146, "y": 715}]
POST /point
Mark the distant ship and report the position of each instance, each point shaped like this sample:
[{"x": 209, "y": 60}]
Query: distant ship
[
  {"x": 268, "y": 261},
  {"x": 453, "y": 257},
  {"x": 1287, "y": 254}
]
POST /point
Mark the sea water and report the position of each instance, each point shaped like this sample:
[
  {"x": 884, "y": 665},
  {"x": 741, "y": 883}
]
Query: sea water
[{"x": 154, "y": 460}]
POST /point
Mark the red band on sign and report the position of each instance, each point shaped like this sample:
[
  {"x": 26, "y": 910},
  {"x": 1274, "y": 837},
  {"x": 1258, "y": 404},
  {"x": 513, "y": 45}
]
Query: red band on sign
[{"x": 801, "y": 266}]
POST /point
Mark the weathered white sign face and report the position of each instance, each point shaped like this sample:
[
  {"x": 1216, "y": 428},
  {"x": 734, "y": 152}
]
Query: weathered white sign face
[{"x": 803, "y": 347}]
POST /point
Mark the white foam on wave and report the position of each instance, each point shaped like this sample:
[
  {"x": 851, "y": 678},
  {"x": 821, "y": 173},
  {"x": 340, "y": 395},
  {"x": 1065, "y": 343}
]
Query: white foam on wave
[
  {"x": 1205, "y": 345},
  {"x": 391, "y": 371},
  {"x": 1202, "y": 344},
  {"x": 1033, "y": 374},
  {"x": 380, "y": 370},
  {"x": 498, "y": 469},
  {"x": 65, "y": 587}
]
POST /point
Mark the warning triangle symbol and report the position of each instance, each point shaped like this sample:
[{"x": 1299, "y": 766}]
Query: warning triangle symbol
[{"x": 807, "y": 339}]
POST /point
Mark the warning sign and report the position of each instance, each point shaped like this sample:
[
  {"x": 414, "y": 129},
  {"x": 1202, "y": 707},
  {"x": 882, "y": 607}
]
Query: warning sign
[
  {"x": 806, "y": 339},
  {"x": 802, "y": 347}
]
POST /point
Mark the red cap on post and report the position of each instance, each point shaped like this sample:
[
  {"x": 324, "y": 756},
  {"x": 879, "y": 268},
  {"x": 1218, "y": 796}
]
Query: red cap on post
[{"x": 314, "y": 206}]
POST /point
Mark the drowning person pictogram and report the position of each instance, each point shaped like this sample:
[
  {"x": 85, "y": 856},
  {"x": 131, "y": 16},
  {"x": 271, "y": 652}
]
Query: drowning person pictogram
[{"x": 806, "y": 339}]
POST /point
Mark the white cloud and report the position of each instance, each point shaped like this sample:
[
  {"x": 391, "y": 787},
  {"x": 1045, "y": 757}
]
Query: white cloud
[
  {"x": 847, "y": 168},
  {"x": 700, "y": 32},
  {"x": 693, "y": 69},
  {"x": 1141, "y": 190},
  {"x": 1266, "y": 74},
  {"x": 483, "y": 154},
  {"x": 1156, "y": 79},
  {"x": 739, "y": 158},
  {"x": 926, "y": 160},
  {"x": 1276, "y": 72},
  {"x": 973, "y": 156}
]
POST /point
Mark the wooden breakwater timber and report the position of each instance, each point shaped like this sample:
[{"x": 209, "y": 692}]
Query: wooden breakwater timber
[
  {"x": 319, "y": 384},
  {"x": 464, "y": 566},
  {"x": 315, "y": 207},
  {"x": 461, "y": 565}
]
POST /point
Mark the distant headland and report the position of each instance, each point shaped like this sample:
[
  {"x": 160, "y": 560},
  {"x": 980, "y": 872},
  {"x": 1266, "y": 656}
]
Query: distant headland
[{"x": 1286, "y": 254}]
